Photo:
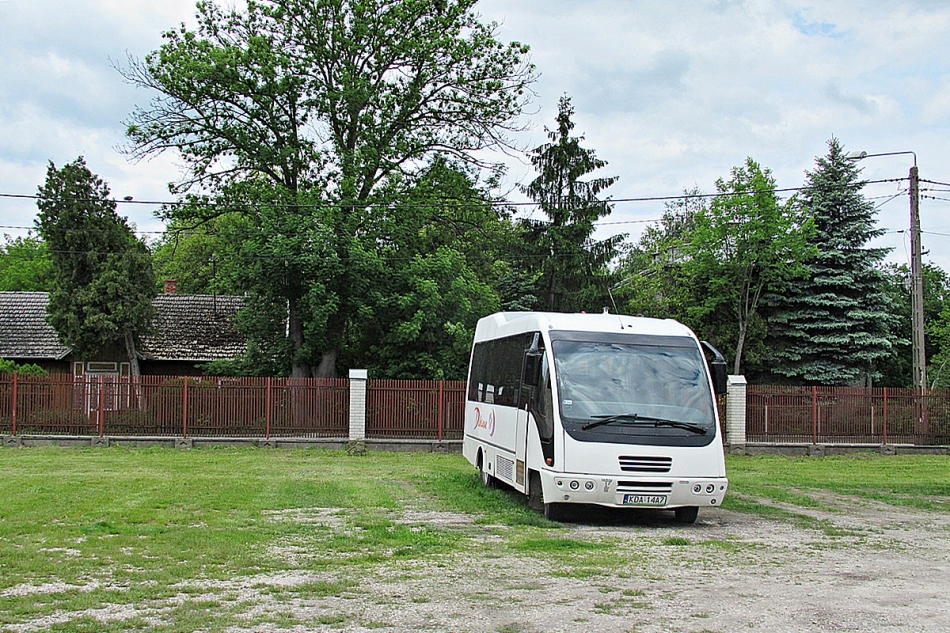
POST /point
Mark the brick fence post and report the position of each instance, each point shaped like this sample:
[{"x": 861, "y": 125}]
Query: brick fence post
[
  {"x": 358, "y": 378},
  {"x": 735, "y": 413}
]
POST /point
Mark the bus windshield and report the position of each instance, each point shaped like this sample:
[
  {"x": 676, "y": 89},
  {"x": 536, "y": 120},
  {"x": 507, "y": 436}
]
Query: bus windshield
[{"x": 621, "y": 386}]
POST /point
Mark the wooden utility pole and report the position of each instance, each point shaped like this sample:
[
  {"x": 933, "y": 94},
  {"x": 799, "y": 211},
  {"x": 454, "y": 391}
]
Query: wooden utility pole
[{"x": 917, "y": 310}]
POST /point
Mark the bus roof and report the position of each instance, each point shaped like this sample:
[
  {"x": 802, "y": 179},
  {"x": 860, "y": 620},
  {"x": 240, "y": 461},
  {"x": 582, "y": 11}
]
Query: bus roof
[{"x": 503, "y": 324}]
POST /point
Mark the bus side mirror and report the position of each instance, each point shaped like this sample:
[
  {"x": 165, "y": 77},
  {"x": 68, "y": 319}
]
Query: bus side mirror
[
  {"x": 532, "y": 368},
  {"x": 717, "y": 367},
  {"x": 532, "y": 363}
]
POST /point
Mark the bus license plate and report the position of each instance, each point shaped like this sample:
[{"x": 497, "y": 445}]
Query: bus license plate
[{"x": 644, "y": 500}]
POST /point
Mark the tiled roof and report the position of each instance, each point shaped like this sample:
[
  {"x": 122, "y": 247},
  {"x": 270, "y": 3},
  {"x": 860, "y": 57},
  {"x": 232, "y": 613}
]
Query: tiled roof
[
  {"x": 194, "y": 328},
  {"x": 187, "y": 328},
  {"x": 24, "y": 332}
]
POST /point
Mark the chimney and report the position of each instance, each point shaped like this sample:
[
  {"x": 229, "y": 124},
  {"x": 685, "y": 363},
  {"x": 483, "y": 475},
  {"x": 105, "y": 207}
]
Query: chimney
[{"x": 171, "y": 286}]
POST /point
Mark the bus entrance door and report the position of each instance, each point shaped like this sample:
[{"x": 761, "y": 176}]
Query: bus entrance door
[{"x": 521, "y": 448}]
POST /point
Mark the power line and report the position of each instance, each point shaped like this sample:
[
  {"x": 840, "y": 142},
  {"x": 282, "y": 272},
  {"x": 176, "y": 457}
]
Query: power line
[{"x": 492, "y": 203}]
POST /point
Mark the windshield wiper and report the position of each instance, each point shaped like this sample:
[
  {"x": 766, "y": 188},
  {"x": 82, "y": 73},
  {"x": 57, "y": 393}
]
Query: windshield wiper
[{"x": 642, "y": 420}]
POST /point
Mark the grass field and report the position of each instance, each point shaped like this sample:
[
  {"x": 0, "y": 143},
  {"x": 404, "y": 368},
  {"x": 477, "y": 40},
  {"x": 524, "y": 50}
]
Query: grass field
[{"x": 82, "y": 528}]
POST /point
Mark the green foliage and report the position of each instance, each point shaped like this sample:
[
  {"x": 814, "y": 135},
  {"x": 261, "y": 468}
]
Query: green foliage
[
  {"x": 308, "y": 117},
  {"x": 745, "y": 243},
  {"x": 832, "y": 326},
  {"x": 709, "y": 262},
  {"x": 25, "y": 265},
  {"x": 190, "y": 253},
  {"x": 655, "y": 283},
  {"x": 11, "y": 367},
  {"x": 571, "y": 268},
  {"x": 103, "y": 284},
  {"x": 422, "y": 292}
]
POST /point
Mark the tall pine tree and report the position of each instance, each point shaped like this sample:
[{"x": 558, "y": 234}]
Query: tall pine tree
[
  {"x": 830, "y": 327},
  {"x": 570, "y": 266}
]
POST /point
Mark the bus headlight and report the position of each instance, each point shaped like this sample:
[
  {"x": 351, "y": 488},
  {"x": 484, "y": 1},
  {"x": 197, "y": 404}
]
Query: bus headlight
[
  {"x": 697, "y": 488},
  {"x": 589, "y": 486},
  {"x": 710, "y": 489},
  {"x": 575, "y": 485}
]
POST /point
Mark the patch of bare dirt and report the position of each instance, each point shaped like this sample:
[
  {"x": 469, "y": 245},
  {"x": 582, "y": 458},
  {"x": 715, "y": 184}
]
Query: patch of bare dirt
[{"x": 866, "y": 566}]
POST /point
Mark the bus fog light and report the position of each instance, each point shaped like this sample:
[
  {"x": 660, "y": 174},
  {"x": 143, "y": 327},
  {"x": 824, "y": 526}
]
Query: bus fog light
[
  {"x": 589, "y": 485},
  {"x": 698, "y": 488},
  {"x": 710, "y": 488},
  {"x": 575, "y": 485},
  {"x": 712, "y": 501}
]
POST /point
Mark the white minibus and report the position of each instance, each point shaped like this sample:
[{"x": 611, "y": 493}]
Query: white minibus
[{"x": 598, "y": 409}]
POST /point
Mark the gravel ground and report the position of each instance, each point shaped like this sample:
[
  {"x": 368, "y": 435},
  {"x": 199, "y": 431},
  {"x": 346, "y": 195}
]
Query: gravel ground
[{"x": 870, "y": 567}]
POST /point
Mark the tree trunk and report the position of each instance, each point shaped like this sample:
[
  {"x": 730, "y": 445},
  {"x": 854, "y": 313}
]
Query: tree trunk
[
  {"x": 133, "y": 354},
  {"x": 299, "y": 368},
  {"x": 134, "y": 370},
  {"x": 739, "y": 345},
  {"x": 327, "y": 366}
]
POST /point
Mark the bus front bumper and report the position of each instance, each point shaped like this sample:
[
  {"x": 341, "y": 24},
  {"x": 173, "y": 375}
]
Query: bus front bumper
[{"x": 621, "y": 491}]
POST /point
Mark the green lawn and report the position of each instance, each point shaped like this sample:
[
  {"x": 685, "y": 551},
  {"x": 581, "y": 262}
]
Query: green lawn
[
  {"x": 921, "y": 481},
  {"x": 120, "y": 526}
]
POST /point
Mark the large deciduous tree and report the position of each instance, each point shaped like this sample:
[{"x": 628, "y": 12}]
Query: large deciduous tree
[
  {"x": 571, "y": 268},
  {"x": 25, "y": 265},
  {"x": 303, "y": 113},
  {"x": 744, "y": 244},
  {"x": 103, "y": 285},
  {"x": 831, "y": 326}
]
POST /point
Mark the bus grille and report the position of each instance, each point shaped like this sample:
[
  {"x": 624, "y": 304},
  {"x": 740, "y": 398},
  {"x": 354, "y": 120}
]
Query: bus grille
[
  {"x": 645, "y": 464},
  {"x": 645, "y": 487},
  {"x": 503, "y": 468}
]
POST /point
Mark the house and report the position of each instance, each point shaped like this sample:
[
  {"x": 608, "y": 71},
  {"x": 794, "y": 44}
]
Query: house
[{"x": 188, "y": 330}]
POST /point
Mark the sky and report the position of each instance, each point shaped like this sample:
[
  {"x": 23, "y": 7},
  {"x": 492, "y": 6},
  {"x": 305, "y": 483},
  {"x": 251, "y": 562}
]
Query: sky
[{"x": 671, "y": 94}]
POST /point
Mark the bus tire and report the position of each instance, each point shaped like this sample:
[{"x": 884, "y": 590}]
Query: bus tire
[
  {"x": 554, "y": 512},
  {"x": 550, "y": 511},
  {"x": 686, "y": 514},
  {"x": 535, "y": 493},
  {"x": 487, "y": 480}
]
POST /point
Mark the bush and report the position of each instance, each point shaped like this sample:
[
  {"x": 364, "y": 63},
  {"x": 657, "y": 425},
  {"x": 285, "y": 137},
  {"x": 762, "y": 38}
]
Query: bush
[{"x": 10, "y": 367}]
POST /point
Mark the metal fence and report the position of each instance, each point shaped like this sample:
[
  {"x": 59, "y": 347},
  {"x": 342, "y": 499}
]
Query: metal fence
[
  {"x": 416, "y": 409},
  {"x": 178, "y": 406},
  {"x": 60, "y": 404},
  {"x": 846, "y": 415}
]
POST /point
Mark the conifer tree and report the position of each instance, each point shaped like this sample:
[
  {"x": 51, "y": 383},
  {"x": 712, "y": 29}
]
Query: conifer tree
[
  {"x": 831, "y": 326},
  {"x": 103, "y": 281},
  {"x": 570, "y": 266}
]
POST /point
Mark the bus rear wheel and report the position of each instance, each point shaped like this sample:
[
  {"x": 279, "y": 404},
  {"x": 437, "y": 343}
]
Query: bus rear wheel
[
  {"x": 686, "y": 514},
  {"x": 487, "y": 480}
]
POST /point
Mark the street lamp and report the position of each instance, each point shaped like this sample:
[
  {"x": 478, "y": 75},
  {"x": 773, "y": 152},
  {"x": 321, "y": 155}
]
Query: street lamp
[{"x": 916, "y": 270}]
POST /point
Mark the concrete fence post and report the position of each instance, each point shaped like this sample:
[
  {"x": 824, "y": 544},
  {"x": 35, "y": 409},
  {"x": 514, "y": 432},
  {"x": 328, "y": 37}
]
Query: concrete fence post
[
  {"x": 735, "y": 413},
  {"x": 358, "y": 378}
]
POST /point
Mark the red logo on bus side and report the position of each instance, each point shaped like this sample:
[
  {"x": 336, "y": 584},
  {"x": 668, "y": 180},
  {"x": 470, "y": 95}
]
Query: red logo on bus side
[{"x": 487, "y": 424}]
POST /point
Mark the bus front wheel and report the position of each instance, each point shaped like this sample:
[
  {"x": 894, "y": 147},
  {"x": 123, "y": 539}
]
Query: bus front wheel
[
  {"x": 686, "y": 514},
  {"x": 550, "y": 511}
]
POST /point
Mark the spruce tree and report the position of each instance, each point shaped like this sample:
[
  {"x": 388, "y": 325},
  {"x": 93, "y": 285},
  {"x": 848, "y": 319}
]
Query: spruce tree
[
  {"x": 571, "y": 268},
  {"x": 830, "y": 327}
]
